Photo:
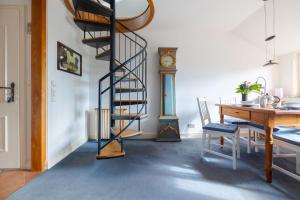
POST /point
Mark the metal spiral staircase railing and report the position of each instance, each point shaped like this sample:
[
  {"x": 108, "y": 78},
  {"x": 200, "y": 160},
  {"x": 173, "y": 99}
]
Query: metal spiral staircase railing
[{"x": 125, "y": 86}]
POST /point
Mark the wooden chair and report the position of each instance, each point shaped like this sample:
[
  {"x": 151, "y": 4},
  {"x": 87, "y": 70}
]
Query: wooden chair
[
  {"x": 229, "y": 131},
  {"x": 243, "y": 124},
  {"x": 257, "y": 129},
  {"x": 288, "y": 138}
]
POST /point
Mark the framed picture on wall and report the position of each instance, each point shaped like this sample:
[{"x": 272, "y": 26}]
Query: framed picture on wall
[{"x": 68, "y": 60}]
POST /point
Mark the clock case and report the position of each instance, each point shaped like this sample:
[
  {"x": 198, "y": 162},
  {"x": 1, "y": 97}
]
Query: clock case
[{"x": 168, "y": 130}]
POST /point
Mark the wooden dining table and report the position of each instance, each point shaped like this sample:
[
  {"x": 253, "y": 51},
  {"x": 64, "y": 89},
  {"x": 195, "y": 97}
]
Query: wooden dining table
[{"x": 269, "y": 118}]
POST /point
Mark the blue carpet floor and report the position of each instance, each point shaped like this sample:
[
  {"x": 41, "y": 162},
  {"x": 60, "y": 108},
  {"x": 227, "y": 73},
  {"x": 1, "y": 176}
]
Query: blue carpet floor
[{"x": 159, "y": 171}]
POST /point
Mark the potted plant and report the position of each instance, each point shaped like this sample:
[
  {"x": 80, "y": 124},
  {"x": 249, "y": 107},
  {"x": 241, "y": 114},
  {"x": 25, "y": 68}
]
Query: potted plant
[{"x": 246, "y": 88}]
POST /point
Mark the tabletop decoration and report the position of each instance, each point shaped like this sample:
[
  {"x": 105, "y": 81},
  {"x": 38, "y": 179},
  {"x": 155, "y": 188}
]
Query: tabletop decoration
[{"x": 246, "y": 88}]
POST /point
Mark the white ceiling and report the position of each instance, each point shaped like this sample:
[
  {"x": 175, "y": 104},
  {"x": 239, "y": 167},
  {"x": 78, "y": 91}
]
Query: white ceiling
[
  {"x": 287, "y": 27},
  {"x": 204, "y": 15}
]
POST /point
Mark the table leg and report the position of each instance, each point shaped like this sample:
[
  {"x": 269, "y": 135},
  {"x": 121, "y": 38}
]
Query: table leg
[
  {"x": 269, "y": 153},
  {"x": 222, "y": 122}
]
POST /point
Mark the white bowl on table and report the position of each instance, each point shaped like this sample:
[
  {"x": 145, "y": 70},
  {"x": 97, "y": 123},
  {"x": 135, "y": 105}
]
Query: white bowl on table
[{"x": 248, "y": 103}]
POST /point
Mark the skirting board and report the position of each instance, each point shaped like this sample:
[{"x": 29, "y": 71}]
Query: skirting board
[{"x": 65, "y": 152}]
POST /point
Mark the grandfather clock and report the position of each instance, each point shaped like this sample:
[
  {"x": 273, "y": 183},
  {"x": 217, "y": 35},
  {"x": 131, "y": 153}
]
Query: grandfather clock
[{"x": 168, "y": 130}]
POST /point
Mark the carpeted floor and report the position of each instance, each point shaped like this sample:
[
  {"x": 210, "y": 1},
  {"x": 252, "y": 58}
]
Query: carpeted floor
[{"x": 158, "y": 171}]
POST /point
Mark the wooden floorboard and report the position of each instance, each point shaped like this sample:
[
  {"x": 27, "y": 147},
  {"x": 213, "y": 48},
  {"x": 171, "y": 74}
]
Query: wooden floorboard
[{"x": 13, "y": 180}]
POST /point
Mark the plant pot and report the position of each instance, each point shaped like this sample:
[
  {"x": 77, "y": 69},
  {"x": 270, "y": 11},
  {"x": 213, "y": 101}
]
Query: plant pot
[{"x": 244, "y": 97}]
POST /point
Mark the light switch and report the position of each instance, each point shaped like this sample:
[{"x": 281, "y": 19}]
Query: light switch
[{"x": 53, "y": 91}]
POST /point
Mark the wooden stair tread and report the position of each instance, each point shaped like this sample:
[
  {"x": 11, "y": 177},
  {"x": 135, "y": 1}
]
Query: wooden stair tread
[
  {"x": 124, "y": 116},
  {"x": 112, "y": 150},
  {"x": 122, "y": 70},
  {"x": 126, "y": 89},
  {"x": 92, "y": 7},
  {"x": 126, "y": 79},
  {"x": 104, "y": 56},
  {"x": 87, "y": 25},
  {"x": 127, "y": 133},
  {"x": 128, "y": 102},
  {"x": 97, "y": 42}
]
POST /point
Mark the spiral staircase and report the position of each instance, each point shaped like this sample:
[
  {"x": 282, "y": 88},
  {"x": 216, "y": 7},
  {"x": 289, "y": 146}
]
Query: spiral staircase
[{"x": 125, "y": 86}]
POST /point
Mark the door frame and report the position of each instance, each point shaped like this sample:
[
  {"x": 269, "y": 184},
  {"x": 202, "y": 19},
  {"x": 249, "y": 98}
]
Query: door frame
[{"x": 38, "y": 85}]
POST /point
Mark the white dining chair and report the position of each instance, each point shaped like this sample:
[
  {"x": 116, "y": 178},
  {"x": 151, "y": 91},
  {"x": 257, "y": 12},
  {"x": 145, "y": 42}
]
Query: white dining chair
[
  {"x": 258, "y": 130},
  {"x": 228, "y": 131},
  {"x": 288, "y": 138},
  {"x": 252, "y": 127},
  {"x": 243, "y": 124}
]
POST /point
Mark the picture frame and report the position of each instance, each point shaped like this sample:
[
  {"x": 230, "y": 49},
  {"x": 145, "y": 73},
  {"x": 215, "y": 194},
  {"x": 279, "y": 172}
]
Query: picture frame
[{"x": 68, "y": 60}]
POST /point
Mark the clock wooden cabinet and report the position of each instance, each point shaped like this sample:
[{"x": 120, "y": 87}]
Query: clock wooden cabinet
[{"x": 168, "y": 122}]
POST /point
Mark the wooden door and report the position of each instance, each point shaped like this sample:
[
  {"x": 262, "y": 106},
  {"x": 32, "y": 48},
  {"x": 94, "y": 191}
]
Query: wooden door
[{"x": 11, "y": 41}]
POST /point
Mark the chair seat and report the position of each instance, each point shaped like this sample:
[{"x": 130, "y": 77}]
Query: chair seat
[
  {"x": 288, "y": 135},
  {"x": 232, "y": 120},
  {"x": 227, "y": 128}
]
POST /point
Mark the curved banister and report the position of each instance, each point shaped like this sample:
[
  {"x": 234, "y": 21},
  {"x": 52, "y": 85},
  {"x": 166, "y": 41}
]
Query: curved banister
[
  {"x": 125, "y": 76},
  {"x": 132, "y": 23},
  {"x": 142, "y": 20},
  {"x": 130, "y": 59},
  {"x": 123, "y": 65}
]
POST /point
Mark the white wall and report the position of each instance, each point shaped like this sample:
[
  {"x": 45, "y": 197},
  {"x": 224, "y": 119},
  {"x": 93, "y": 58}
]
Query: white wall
[
  {"x": 66, "y": 123},
  {"x": 99, "y": 68},
  {"x": 289, "y": 74}
]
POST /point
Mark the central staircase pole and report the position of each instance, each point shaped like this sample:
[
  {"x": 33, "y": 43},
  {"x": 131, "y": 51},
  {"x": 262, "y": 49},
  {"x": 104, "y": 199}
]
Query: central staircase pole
[{"x": 112, "y": 61}]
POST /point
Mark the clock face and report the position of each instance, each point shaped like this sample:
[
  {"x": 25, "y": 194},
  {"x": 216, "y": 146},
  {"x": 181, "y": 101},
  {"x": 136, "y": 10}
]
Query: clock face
[{"x": 167, "y": 61}]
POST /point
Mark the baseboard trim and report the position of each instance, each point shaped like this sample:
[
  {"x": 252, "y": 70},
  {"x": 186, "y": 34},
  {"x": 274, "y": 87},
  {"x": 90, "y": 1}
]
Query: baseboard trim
[{"x": 65, "y": 152}]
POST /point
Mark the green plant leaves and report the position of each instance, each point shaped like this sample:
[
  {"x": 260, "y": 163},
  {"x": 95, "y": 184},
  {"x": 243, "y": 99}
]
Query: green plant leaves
[{"x": 247, "y": 88}]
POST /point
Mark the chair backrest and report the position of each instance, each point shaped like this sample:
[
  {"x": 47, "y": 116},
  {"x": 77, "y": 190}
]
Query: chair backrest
[
  {"x": 228, "y": 101},
  {"x": 203, "y": 110}
]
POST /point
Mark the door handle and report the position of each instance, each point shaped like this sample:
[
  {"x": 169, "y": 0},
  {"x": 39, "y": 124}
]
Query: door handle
[{"x": 11, "y": 97}]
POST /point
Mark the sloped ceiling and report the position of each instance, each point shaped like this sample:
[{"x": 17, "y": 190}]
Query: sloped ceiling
[
  {"x": 219, "y": 15},
  {"x": 206, "y": 15},
  {"x": 287, "y": 27}
]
